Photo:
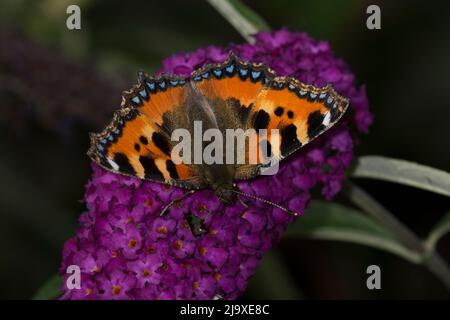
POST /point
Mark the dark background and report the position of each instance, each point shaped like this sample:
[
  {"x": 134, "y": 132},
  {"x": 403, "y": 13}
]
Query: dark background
[{"x": 57, "y": 85}]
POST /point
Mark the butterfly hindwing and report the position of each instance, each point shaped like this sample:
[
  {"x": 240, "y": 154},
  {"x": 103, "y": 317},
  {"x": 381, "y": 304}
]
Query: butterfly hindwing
[{"x": 232, "y": 81}]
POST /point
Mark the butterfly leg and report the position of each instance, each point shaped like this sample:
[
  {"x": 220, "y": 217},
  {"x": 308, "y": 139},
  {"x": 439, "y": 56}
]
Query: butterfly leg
[
  {"x": 171, "y": 203},
  {"x": 242, "y": 202}
]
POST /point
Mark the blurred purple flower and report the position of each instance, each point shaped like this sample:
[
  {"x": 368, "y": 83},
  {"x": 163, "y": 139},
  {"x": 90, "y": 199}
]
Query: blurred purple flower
[
  {"x": 41, "y": 85},
  {"x": 203, "y": 248}
]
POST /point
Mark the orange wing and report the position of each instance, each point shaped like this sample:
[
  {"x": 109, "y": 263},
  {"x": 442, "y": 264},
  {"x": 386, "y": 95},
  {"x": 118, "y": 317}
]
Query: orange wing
[
  {"x": 136, "y": 143},
  {"x": 232, "y": 79},
  {"x": 297, "y": 111},
  {"x": 300, "y": 112},
  {"x": 233, "y": 85}
]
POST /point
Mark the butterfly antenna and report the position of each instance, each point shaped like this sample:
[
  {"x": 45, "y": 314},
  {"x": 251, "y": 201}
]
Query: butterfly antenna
[
  {"x": 171, "y": 203},
  {"x": 273, "y": 204}
]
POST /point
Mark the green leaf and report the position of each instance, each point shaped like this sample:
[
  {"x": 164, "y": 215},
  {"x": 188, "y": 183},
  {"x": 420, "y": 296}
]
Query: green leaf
[
  {"x": 379, "y": 213},
  {"x": 331, "y": 221},
  {"x": 241, "y": 17},
  {"x": 50, "y": 290},
  {"x": 439, "y": 230},
  {"x": 428, "y": 258},
  {"x": 403, "y": 172}
]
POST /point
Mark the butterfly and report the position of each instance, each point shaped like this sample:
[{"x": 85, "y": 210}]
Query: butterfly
[{"x": 234, "y": 94}]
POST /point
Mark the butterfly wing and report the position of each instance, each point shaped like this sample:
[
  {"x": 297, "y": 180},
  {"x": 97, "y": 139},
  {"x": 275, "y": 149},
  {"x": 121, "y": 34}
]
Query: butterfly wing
[
  {"x": 235, "y": 82},
  {"x": 137, "y": 141},
  {"x": 261, "y": 100},
  {"x": 298, "y": 111},
  {"x": 231, "y": 88}
]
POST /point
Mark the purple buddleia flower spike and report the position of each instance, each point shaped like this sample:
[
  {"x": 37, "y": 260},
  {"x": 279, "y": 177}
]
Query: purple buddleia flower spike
[{"x": 203, "y": 248}]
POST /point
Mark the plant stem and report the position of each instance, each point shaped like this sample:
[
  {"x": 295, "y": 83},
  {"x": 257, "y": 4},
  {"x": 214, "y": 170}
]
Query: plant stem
[
  {"x": 243, "y": 19},
  {"x": 403, "y": 172},
  {"x": 434, "y": 262},
  {"x": 429, "y": 257}
]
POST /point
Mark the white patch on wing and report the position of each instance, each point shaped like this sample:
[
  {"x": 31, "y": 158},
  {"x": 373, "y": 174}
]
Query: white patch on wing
[
  {"x": 114, "y": 165},
  {"x": 326, "y": 119}
]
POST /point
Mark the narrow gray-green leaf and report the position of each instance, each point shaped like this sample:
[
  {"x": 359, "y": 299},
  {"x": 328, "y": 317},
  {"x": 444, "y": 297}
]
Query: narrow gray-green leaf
[
  {"x": 441, "y": 228},
  {"x": 376, "y": 210},
  {"x": 50, "y": 290},
  {"x": 331, "y": 221},
  {"x": 429, "y": 258},
  {"x": 403, "y": 172},
  {"x": 241, "y": 17}
]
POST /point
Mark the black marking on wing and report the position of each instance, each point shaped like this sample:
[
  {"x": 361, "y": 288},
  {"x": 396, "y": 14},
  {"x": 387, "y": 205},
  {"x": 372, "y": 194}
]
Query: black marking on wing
[
  {"x": 161, "y": 142},
  {"x": 266, "y": 148},
  {"x": 315, "y": 125},
  {"x": 123, "y": 163},
  {"x": 172, "y": 169},
  {"x": 150, "y": 168},
  {"x": 240, "y": 110},
  {"x": 279, "y": 111},
  {"x": 143, "y": 140},
  {"x": 261, "y": 121},
  {"x": 290, "y": 114},
  {"x": 289, "y": 141}
]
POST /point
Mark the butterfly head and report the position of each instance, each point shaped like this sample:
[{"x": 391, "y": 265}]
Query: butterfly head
[{"x": 219, "y": 177}]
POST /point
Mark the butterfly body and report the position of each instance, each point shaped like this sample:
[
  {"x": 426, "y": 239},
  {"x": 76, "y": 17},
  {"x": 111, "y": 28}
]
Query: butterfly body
[
  {"x": 212, "y": 114},
  {"x": 233, "y": 95}
]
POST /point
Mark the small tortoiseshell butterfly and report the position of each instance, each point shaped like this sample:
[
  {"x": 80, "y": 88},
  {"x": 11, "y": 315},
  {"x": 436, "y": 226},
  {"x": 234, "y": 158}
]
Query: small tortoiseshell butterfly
[{"x": 230, "y": 95}]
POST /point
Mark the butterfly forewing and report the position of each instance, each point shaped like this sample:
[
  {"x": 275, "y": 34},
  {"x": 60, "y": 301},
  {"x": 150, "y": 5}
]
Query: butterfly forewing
[
  {"x": 300, "y": 112},
  {"x": 135, "y": 143}
]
